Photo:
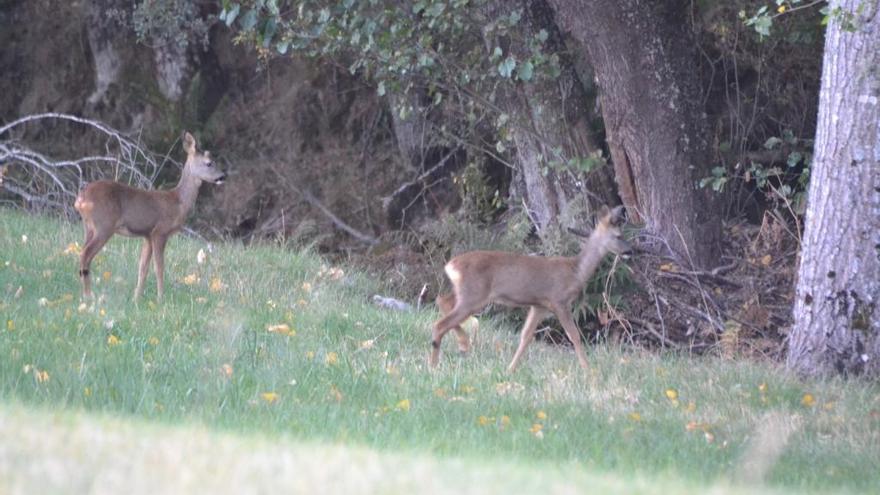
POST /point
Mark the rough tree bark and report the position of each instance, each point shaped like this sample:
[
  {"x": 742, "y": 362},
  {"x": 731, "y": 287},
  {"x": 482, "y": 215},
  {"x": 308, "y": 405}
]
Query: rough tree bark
[
  {"x": 103, "y": 32},
  {"x": 409, "y": 130},
  {"x": 644, "y": 60},
  {"x": 550, "y": 124},
  {"x": 837, "y": 311}
]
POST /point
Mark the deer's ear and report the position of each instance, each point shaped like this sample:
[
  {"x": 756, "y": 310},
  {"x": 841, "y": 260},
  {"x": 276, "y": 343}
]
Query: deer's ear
[
  {"x": 603, "y": 214},
  {"x": 618, "y": 215},
  {"x": 189, "y": 143}
]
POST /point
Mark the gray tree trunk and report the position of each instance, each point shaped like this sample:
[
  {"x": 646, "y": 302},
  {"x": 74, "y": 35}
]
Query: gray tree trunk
[
  {"x": 644, "y": 60},
  {"x": 103, "y": 33},
  {"x": 550, "y": 126},
  {"x": 411, "y": 127},
  {"x": 837, "y": 310}
]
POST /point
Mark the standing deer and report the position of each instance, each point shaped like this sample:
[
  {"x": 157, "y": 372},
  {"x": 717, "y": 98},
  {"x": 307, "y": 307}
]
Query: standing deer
[
  {"x": 109, "y": 208},
  {"x": 543, "y": 284}
]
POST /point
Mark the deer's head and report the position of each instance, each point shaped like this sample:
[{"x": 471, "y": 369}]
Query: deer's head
[
  {"x": 199, "y": 163},
  {"x": 608, "y": 230},
  {"x": 607, "y": 235}
]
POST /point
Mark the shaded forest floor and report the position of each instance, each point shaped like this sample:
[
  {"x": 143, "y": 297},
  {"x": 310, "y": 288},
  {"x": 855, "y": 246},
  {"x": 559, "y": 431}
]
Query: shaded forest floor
[{"x": 739, "y": 308}]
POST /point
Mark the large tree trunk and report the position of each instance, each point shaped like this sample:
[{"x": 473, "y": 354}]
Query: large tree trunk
[
  {"x": 644, "y": 60},
  {"x": 837, "y": 311},
  {"x": 103, "y": 33},
  {"x": 550, "y": 126},
  {"x": 411, "y": 127}
]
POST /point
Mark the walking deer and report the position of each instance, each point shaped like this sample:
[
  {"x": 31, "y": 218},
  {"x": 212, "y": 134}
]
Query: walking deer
[
  {"x": 543, "y": 284},
  {"x": 108, "y": 208}
]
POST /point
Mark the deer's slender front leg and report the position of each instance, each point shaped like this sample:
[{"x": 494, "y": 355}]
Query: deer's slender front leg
[
  {"x": 573, "y": 332},
  {"x": 143, "y": 267},
  {"x": 535, "y": 316},
  {"x": 159, "y": 242}
]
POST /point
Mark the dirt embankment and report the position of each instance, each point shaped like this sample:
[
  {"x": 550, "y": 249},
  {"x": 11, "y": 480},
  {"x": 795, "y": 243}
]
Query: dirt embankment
[{"x": 281, "y": 127}]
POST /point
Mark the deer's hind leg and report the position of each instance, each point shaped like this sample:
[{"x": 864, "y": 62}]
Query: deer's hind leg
[
  {"x": 445, "y": 303},
  {"x": 453, "y": 319},
  {"x": 573, "y": 332},
  {"x": 95, "y": 241}
]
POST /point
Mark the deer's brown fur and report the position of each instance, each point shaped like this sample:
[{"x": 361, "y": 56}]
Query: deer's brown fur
[
  {"x": 108, "y": 208},
  {"x": 543, "y": 284}
]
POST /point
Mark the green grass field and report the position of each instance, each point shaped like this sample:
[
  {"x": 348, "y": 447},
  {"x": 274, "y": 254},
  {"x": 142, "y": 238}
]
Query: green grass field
[{"x": 266, "y": 352}]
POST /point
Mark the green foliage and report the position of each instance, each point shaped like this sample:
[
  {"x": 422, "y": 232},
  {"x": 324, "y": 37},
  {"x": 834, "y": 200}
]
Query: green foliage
[
  {"x": 785, "y": 185},
  {"x": 457, "y": 53},
  {"x": 456, "y": 234},
  {"x": 762, "y": 20},
  {"x": 436, "y": 43},
  {"x": 168, "y": 21},
  {"x": 481, "y": 202}
]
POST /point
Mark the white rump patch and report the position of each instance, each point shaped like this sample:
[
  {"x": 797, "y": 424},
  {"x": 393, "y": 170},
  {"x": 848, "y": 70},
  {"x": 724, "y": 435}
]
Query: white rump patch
[{"x": 453, "y": 273}]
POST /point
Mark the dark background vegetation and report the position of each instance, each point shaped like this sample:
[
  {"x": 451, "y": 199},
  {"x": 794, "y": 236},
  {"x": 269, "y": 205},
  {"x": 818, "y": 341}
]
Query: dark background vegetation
[{"x": 312, "y": 131}]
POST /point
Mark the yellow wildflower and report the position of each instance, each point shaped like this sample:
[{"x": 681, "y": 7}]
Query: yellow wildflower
[
  {"x": 403, "y": 405},
  {"x": 153, "y": 341},
  {"x": 505, "y": 421},
  {"x": 635, "y": 416},
  {"x": 281, "y": 328},
  {"x": 87, "y": 391},
  {"x": 310, "y": 355},
  {"x": 41, "y": 375},
  {"x": 671, "y": 394},
  {"x": 483, "y": 420},
  {"x": 808, "y": 400},
  {"x": 191, "y": 279},
  {"x": 113, "y": 340},
  {"x": 73, "y": 249},
  {"x": 331, "y": 358},
  {"x": 217, "y": 285},
  {"x": 536, "y": 428},
  {"x": 106, "y": 276},
  {"x": 541, "y": 415},
  {"x": 10, "y": 325},
  {"x": 269, "y": 397},
  {"x": 227, "y": 370},
  {"x": 781, "y": 9},
  {"x": 335, "y": 394},
  {"x": 695, "y": 425}
]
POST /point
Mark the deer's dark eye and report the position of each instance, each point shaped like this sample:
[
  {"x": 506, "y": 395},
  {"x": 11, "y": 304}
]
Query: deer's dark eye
[{"x": 209, "y": 164}]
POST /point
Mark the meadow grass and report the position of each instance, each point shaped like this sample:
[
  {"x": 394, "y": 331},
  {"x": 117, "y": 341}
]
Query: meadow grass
[{"x": 266, "y": 343}]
